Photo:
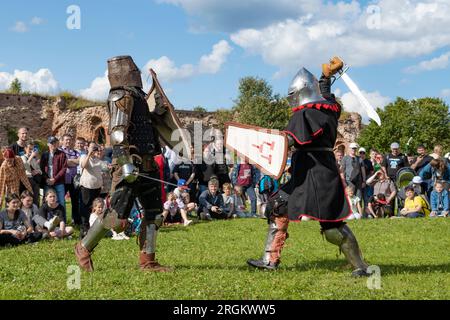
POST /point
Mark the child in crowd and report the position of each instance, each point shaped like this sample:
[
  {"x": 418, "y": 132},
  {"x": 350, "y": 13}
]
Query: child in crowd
[
  {"x": 413, "y": 205},
  {"x": 174, "y": 210},
  {"x": 28, "y": 207},
  {"x": 49, "y": 211},
  {"x": 15, "y": 228},
  {"x": 355, "y": 203},
  {"x": 228, "y": 200},
  {"x": 239, "y": 203},
  {"x": 98, "y": 206},
  {"x": 190, "y": 207},
  {"x": 439, "y": 200}
]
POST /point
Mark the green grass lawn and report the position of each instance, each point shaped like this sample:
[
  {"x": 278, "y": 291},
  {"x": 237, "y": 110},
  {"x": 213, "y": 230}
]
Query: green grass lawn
[{"x": 210, "y": 263}]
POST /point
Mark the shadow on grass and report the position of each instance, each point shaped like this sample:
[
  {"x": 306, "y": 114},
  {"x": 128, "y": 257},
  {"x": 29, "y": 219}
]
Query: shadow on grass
[
  {"x": 338, "y": 264},
  {"x": 326, "y": 264}
]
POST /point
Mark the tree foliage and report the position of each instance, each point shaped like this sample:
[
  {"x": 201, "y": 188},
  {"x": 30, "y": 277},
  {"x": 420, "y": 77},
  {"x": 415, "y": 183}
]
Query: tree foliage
[
  {"x": 422, "y": 121},
  {"x": 257, "y": 105},
  {"x": 15, "y": 86},
  {"x": 199, "y": 109}
]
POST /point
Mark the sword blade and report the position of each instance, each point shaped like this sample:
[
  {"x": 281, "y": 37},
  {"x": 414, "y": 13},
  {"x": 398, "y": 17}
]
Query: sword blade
[
  {"x": 366, "y": 105},
  {"x": 158, "y": 180}
]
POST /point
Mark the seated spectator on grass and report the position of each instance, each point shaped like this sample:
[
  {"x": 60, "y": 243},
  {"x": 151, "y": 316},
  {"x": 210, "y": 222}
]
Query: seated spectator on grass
[
  {"x": 228, "y": 200},
  {"x": 98, "y": 206},
  {"x": 240, "y": 205},
  {"x": 382, "y": 185},
  {"x": 439, "y": 200},
  {"x": 190, "y": 207},
  {"x": 12, "y": 173},
  {"x": 15, "y": 228},
  {"x": 211, "y": 202},
  {"x": 50, "y": 209},
  {"x": 378, "y": 207},
  {"x": 33, "y": 171},
  {"x": 355, "y": 203},
  {"x": 174, "y": 211},
  {"x": 419, "y": 189},
  {"x": 413, "y": 205},
  {"x": 28, "y": 207}
]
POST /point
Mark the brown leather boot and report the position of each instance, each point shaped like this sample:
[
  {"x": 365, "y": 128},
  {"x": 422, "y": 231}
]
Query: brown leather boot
[
  {"x": 147, "y": 262},
  {"x": 84, "y": 258}
]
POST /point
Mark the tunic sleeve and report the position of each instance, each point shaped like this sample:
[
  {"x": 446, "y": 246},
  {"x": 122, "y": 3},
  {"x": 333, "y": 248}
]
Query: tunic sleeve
[{"x": 306, "y": 125}]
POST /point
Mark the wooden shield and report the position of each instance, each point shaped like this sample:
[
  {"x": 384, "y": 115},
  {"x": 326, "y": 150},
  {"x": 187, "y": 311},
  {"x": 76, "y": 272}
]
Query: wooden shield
[{"x": 265, "y": 148}]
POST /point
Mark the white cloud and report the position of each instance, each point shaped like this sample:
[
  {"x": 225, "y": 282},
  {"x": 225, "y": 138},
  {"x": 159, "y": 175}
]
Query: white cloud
[
  {"x": 20, "y": 27},
  {"x": 208, "y": 64},
  {"x": 445, "y": 93},
  {"x": 352, "y": 104},
  {"x": 289, "y": 34},
  {"x": 41, "y": 81},
  {"x": 440, "y": 62},
  {"x": 98, "y": 90},
  {"x": 37, "y": 21},
  {"x": 167, "y": 71}
]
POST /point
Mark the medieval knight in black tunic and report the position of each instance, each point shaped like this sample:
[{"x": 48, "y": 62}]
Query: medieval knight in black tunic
[{"x": 315, "y": 189}]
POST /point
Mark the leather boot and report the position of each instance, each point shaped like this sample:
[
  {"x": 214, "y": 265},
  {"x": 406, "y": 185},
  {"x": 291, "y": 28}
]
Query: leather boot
[
  {"x": 84, "y": 258},
  {"x": 147, "y": 262}
]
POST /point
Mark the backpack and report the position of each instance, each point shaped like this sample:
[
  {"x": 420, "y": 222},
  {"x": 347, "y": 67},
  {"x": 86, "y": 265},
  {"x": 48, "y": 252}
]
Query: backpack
[
  {"x": 426, "y": 207},
  {"x": 266, "y": 185}
]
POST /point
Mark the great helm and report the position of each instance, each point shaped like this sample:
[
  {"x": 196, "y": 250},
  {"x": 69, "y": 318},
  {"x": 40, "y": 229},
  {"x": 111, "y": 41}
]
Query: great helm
[
  {"x": 304, "y": 88},
  {"x": 123, "y": 72}
]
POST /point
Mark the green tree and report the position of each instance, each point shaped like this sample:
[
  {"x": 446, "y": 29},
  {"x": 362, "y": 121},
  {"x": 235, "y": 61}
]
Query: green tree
[
  {"x": 224, "y": 115},
  {"x": 422, "y": 121},
  {"x": 15, "y": 86},
  {"x": 257, "y": 105},
  {"x": 199, "y": 109}
]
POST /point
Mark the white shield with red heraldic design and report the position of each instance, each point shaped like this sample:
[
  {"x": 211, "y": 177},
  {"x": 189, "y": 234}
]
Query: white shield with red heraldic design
[{"x": 265, "y": 148}]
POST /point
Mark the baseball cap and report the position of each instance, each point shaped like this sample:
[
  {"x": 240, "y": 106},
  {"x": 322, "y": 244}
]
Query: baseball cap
[
  {"x": 417, "y": 180},
  {"x": 181, "y": 182},
  {"x": 354, "y": 145},
  {"x": 52, "y": 140},
  {"x": 395, "y": 145},
  {"x": 362, "y": 150}
]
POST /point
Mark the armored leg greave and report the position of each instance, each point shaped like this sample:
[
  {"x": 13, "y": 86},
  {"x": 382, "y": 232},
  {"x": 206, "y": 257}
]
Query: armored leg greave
[
  {"x": 276, "y": 237},
  {"x": 346, "y": 241}
]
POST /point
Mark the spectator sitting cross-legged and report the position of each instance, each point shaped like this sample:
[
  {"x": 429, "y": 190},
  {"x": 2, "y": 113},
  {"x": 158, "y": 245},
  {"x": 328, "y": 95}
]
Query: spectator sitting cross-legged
[
  {"x": 98, "y": 206},
  {"x": 15, "y": 228},
  {"x": 413, "y": 205},
  {"x": 53, "y": 166},
  {"x": 174, "y": 210},
  {"x": 51, "y": 209},
  {"x": 228, "y": 199},
  {"x": 439, "y": 200},
  {"x": 211, "y": 202},
  {"x": 12, "y": 173}
]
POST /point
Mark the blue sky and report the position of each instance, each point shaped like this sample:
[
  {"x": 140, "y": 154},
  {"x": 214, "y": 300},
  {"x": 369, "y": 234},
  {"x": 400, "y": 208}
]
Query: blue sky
[{"x": 201, "y": 48}]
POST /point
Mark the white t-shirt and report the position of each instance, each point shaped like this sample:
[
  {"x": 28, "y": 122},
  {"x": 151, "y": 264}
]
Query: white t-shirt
[
  {"x": 92, "y": 219},
  {"x": 91, "y": 177}
]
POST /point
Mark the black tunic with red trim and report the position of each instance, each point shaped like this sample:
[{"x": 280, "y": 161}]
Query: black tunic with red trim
[{"x": 315, "y": 188}]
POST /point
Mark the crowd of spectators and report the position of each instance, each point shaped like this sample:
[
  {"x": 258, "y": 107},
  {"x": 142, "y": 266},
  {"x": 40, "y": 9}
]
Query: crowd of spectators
[
  {"x": 395, "y": 185},
  {"x": 39, "y": 185}
]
